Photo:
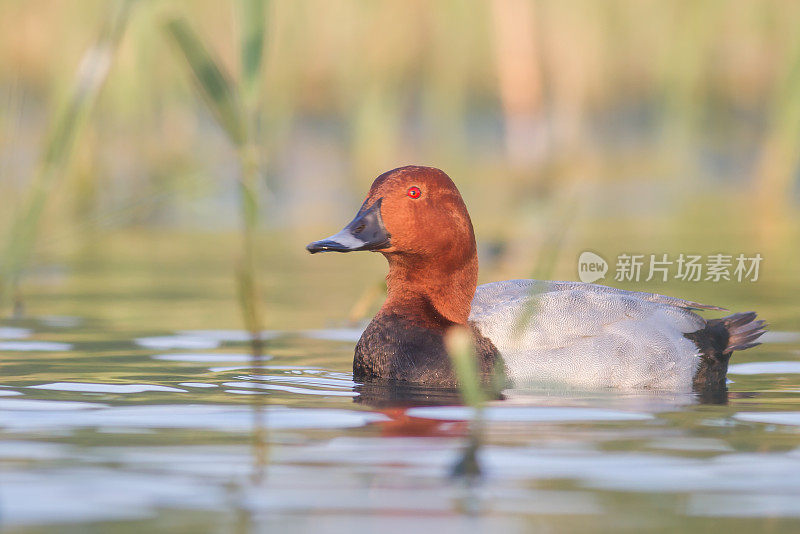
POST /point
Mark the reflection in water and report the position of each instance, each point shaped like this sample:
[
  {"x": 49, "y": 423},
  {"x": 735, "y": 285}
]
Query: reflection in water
[
  {"x": 393, "y": 399},
  {"x": 397, "y": 399},
  {"x": 530, "y": 414},
  {"x": 713, "y": 395},
  {"x": 396, "y": 394},
  {"x": 291, "y": 379},
  {"x": 260, "y": 438}
]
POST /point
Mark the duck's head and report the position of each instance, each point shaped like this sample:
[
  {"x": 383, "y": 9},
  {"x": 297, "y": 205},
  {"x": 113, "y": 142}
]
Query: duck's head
[
  {"x": 409, "y": 210},
  {"x": 416, "y": 217}
]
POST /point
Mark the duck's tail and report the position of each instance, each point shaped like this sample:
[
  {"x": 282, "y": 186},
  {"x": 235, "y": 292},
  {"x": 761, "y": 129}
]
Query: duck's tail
[
  {"x": 743, "y": 331},
  {"x": 715, "y": 343}
]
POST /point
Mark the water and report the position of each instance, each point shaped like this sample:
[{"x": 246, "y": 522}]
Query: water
[{"x": 122, "y": 410}]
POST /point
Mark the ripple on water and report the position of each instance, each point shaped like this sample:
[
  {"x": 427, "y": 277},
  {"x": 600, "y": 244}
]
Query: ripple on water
[
  {"x": 771, "y": 336},
  {"x": 232, "y": 336},
  {"x": 45, "y": 405},
  {"x": 288, "y": 389},
  {"x": 776, "y": 472},
  {"x": 10, "y": 332},
  {"x": 764, "y": 368},
  {"x": 423, "y": 502},
  {"x": 199, "y": 339},
  {"x": 350, "y": 335},
  {"x": 52, "y": 496},
  {"x": 34, "y": 346},
  {"x": 309, "y": 378},
  {"x": 105, "y": 493},
  {"x": 775, "y": 418},
  {"x": 55, "y": 415},
  {"x": 690, "y": 444},
  {"x": 177, "y": 342},
  {"x": 226, "y": 368},
  {"x": 302, "y": 381},
  {"x": 767, "y": 473},
  {"x": 727, "y": 505},
  {"x": 204, "y": 358},
  {"x": 32, "y": 450},
  {"x": 60, "y": 321},
  {"x": 87, "y": 387},
  {"x": 539, "y": 414}
]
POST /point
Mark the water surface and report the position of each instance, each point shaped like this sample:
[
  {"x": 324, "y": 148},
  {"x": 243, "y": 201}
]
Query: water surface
[{"x": 115, "y": 419}]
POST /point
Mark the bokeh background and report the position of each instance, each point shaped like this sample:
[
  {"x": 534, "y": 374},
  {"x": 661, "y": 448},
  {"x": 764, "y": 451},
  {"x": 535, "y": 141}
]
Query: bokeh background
[
  {"x": 616, "y": 126},
  {"x": 163, "y": 164}
]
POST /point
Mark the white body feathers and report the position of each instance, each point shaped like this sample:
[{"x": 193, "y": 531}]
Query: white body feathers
[{"x": 589, "y": 335}]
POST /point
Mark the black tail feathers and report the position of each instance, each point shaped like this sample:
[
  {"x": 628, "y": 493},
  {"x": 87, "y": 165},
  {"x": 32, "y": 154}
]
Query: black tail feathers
[
  {"x": 716, "y": 342},
  {"x": 743, "y": 331}
]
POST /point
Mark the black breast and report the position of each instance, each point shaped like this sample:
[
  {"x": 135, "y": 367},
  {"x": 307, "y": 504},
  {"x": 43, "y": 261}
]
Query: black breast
[{"x": 397, "y": 348}]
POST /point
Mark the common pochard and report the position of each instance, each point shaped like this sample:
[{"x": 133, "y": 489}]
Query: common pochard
[{"x": 573, "y": 333}]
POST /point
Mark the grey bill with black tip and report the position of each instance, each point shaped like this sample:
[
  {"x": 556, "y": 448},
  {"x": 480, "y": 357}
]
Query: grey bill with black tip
[{"x": 365, "y": 232}]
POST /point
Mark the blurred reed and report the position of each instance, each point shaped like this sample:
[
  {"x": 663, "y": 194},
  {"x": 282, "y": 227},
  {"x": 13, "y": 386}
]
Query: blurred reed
[
  {"x": 516, "y": 99},
  {"x": 234, "y": 107},
  {"x": 254, "y": 26},
  {"x": 227, "y": 105},
  {"x": 520, "y": 83},
  {"x": 65, "y": 129},
  {"x": 462, "y": 354},
  {"x": 777, "y": 169}
]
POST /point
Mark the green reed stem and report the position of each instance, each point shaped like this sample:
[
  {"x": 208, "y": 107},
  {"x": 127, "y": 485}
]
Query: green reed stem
[
  {"x": 253, "y": 21},
  {"x": 461, "y": 350},
  {"x": 223, "y": 100},
  {"x": 65, "y": 129},
  {"x": 213, "y": 83},
  {"x": 232, "y": 110}
]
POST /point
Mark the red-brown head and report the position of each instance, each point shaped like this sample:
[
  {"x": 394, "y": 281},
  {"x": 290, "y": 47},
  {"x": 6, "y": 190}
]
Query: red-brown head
[{"x": 416, "y": 217}]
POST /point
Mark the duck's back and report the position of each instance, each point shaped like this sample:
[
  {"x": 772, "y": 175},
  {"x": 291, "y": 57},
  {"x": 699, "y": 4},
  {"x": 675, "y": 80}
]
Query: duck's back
[{"x": 589, "y": 335}]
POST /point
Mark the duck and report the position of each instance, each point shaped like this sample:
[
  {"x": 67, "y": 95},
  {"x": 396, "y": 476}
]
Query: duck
[{"x": 536, "y": 332}]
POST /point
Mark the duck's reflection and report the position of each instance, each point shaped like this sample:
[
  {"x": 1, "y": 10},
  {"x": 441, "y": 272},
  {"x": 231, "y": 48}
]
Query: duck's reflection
[
  {"x": 712, "y": 394},
  {"x": 382, "y": 394},
  {"x": 392, "y": 398}
]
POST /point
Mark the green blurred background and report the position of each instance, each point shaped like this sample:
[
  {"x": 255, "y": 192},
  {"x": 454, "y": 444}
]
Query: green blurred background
[{"x": 614, "y": 126}]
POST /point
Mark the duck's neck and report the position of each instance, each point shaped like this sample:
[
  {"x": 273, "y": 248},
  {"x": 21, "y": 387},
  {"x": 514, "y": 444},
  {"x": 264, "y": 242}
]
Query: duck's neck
[{"x": 436, "y": 293}]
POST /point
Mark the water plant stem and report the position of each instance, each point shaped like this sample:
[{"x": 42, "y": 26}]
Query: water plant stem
[
  {"x": 461, "y": 350},
  {"x": 232, "y": 109},
  {"x": 64, "y": 131}
]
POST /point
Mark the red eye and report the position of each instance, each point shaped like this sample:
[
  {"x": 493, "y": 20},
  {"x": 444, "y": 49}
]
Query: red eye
[{"x": 414, "y": 192}]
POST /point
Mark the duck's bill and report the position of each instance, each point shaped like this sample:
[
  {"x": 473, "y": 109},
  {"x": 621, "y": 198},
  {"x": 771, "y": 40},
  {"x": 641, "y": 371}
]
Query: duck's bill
[{"x": 365, "y": 232}]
